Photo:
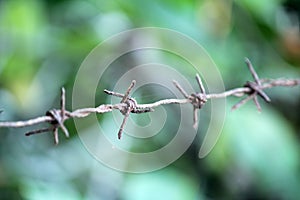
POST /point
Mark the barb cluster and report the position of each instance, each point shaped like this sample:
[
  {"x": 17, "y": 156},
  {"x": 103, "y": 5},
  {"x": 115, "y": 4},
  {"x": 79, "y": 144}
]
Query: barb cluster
[
  {"x": 196, "y": 99},
  {"x": 57, "y": 117},
  {"x": 255, "y": 88},
  {"x": 131, "y": 105}
]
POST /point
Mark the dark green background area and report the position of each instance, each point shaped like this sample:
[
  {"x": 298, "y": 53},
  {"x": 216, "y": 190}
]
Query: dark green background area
[{"x": 43, "y": 43}]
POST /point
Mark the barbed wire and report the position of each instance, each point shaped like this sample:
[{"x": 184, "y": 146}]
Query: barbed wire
[{"x": 56, "y": 117}]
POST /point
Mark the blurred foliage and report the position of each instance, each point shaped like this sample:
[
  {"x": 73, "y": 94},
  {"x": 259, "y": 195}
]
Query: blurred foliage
[{"x": 43, "y": 43}]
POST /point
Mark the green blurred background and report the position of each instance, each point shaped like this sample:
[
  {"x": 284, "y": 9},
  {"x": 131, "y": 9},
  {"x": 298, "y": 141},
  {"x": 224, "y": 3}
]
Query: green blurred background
[{"x": 43, "y": 43}]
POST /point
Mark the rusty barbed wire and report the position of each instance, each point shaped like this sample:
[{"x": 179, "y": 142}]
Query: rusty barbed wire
[{"x": 127, "y": 105}]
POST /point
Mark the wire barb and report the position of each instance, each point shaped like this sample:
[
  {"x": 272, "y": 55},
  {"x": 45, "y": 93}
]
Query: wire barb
[
  {"x": 181, "y": 90},
  {"x": 43, "y": 130},
  {"x": 199, "y": 81},
  {"x": 125, "y": 97},
  {"x": 253, "y": 72}
]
